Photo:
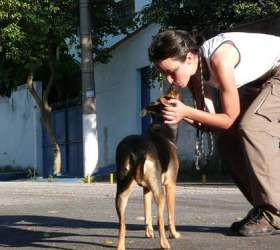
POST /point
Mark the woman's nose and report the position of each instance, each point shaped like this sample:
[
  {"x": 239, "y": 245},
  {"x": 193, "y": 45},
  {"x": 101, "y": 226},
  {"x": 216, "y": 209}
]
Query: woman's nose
[{"x": 169, "y": 79}]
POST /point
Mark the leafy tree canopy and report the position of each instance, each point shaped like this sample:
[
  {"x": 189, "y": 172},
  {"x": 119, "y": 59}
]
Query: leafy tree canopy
[
  {"x": 30, "y": 33},
  {"x": 34, "y": 32},
  {"x": 208, "y": 17}
]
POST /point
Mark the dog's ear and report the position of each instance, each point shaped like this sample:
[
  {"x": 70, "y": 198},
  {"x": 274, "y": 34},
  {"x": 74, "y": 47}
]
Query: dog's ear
[
  {"x": 154, "y": 108},
  {"x": 164, "y": 100}
]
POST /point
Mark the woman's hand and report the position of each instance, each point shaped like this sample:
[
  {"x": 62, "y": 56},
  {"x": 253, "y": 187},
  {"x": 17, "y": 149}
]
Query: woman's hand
[{"x": 175, "y": 113}]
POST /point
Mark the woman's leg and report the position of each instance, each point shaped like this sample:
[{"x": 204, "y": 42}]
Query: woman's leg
[
  {"x": 232, "y": 153},
  {"x": 230, "y": 145},
  {"x": 260, "y": 133}
]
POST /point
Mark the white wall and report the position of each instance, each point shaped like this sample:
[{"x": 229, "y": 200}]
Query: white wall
[
  {"x": 118, "y": 92},
  {"x": 20, "y": 131}
]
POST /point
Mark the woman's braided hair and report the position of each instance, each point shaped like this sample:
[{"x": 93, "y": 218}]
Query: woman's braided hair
[{"x": 172, "y": 44}]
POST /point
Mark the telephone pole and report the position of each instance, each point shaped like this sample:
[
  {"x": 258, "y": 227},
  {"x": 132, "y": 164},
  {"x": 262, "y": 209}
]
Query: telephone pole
[{"x": 90, "y": 143}]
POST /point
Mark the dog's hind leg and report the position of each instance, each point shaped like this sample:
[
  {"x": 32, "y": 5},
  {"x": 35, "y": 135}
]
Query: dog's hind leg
[
  {"x": 121, "y": 202},
  {"x": 170, "y": 200},
  {"x": 158, "y": 192},
  {"x": 149, "y": 232}
]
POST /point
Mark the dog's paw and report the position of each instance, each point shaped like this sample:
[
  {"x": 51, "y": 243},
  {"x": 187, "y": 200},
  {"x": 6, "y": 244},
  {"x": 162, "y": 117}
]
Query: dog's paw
[
  {"x": 149, "y": 232},
  {"x": 120, "y": 247},
  {"x": 164, "y": 244},
  {"x": 174, "y": 235}
]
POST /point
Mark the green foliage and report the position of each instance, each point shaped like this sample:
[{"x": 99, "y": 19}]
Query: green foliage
[
  {"x": 11, "y": 73},
  {"x": 50, "y": 178},
  {"x": 27, "y": 27},
  {"x": 30, "y": 29},
  {"x": 7, "y": 169},
  {"x": 87, "y": 179},
  {"x": 105, "y": 22},
  {"x": 67, "y": 78},
  {"x": 153, "y": 77},
  {"x": 207, "y": 17},
  {"x": 28, "y": 171},
  {"x": 31, "y": 173}
]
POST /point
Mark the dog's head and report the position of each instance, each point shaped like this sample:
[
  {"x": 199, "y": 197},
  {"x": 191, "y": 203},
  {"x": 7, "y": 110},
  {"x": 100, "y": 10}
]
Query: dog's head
[
  {"x": 156, "y": 107},
  {"x": 155, "y": 111}
]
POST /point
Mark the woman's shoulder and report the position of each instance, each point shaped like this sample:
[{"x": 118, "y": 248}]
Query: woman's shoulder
[
  {"x": 240, "y": 35},
  {"x": 246, "y": 36},
  {"x": 240, "y": 40}
]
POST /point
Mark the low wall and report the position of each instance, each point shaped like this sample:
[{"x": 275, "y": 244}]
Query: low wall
[{"x": 20, "y": 130}]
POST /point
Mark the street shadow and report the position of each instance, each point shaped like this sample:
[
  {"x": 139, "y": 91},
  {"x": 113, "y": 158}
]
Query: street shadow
[
  {"x": 203, "y": 229},
  {"x": 23, "y": 231}
]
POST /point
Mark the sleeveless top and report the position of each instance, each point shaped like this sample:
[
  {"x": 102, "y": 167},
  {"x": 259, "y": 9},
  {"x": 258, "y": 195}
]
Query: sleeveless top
[{"x": 258, "y": 54}]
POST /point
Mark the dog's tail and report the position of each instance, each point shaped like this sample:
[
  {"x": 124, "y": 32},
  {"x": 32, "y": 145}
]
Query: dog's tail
[
  {"x": 130, "y": 159},
  {"x": 126, "y": 173},
  {"x": 127, "y": 165}
]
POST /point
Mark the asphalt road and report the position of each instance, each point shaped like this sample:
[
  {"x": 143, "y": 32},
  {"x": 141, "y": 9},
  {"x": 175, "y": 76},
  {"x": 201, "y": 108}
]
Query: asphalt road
[{"x": 42, "y": 215}]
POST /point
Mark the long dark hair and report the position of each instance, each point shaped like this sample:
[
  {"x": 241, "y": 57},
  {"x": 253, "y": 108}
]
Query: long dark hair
[{"x": 172, "y": 44}]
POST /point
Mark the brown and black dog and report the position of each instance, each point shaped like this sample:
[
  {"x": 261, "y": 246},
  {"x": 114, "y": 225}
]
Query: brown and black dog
[{"x": 150, "y": 161}]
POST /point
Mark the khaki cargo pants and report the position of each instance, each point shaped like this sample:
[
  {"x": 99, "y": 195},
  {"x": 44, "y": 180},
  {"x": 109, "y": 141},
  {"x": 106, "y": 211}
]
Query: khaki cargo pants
[{"x": 251, "y": 147}]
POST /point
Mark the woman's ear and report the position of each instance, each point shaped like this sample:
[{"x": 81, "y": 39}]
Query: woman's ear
[{"x": 189, "y": 57}]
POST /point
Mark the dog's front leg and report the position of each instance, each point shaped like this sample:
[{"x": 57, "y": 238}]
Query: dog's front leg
[
  {"x": 149, "y": 232},
  {"x": 121, "y": 202},
  {"x": 170, "y": 200}
]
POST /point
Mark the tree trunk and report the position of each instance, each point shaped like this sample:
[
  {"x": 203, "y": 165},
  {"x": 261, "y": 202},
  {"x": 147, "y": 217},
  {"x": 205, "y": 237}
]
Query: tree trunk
[
  {"x": 46, "y": 118},
  {"x": 45, "y": 110}
]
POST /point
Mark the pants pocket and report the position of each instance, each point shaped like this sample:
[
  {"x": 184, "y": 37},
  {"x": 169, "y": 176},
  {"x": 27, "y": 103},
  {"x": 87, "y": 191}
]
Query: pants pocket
[{"x": 269, "y": 106}]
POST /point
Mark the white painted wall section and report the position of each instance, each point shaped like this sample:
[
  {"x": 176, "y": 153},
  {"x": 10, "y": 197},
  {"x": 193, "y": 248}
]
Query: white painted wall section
[
  {"x": 20, "y": 130},
  {"x": 118, "y": 94},
  {"x": 90, "y": 144}
]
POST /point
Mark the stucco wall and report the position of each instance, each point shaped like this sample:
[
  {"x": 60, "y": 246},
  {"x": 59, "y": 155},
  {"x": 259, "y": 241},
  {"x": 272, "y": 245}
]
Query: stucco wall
[
  {"x": 118, "y": 93},
  {"x": 20, "y": 131}
]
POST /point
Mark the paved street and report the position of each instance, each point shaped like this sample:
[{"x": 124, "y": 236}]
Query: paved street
[{"x": 38, "y": 215}]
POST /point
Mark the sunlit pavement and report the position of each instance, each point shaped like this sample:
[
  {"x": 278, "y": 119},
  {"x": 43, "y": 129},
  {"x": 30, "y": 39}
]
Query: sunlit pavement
[{"x": 72, "y": 215}]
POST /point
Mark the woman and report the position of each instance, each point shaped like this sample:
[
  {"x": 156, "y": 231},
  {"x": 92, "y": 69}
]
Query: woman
[{"x": 244, "y": 67}]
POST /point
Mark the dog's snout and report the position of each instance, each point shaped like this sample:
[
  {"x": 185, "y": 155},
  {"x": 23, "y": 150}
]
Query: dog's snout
[{"x": 173, "y": 104}]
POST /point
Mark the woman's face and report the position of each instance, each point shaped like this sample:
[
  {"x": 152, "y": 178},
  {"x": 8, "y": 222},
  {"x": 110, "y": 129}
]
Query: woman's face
[{"x": 177, "y": 72}]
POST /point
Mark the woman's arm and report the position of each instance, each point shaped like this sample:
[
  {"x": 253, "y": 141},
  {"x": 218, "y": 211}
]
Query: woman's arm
[{"x": 223, "y": 63}]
